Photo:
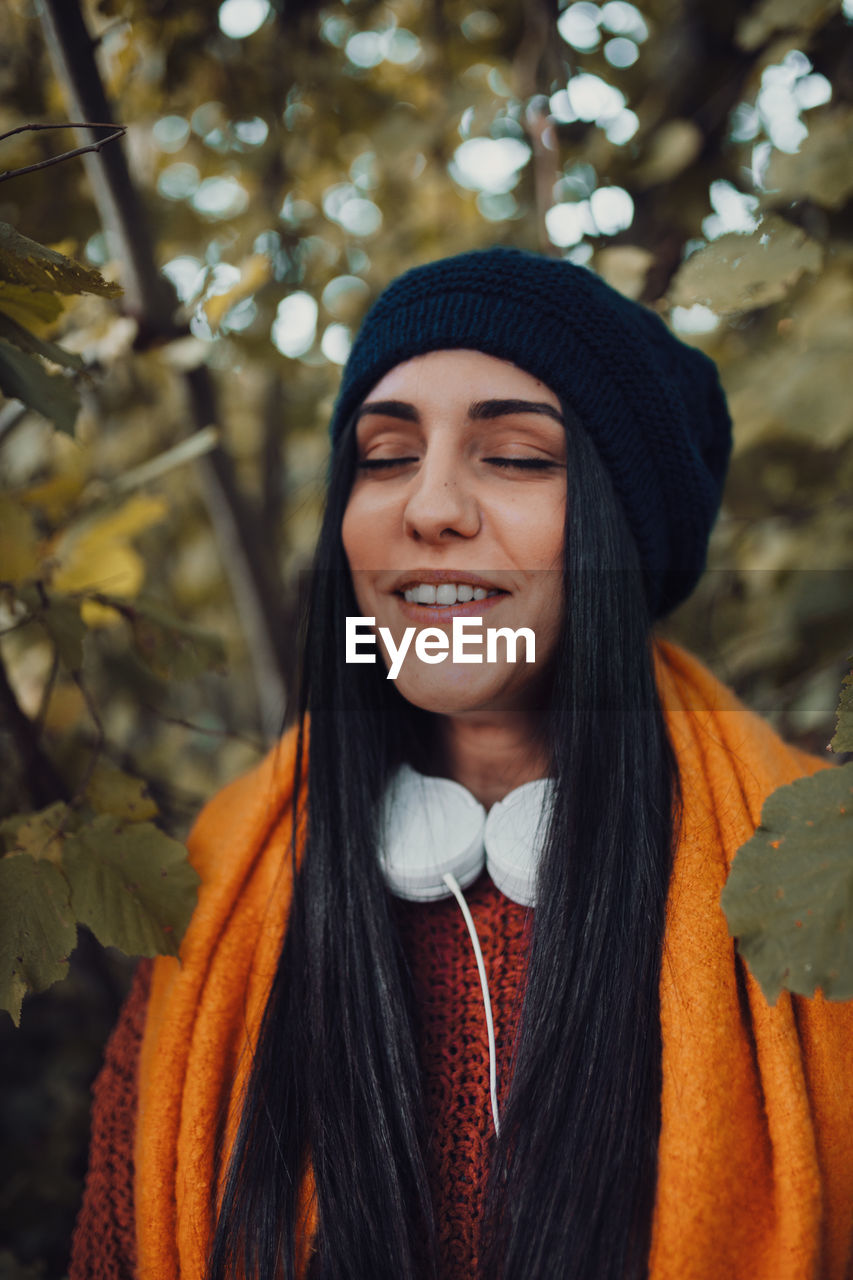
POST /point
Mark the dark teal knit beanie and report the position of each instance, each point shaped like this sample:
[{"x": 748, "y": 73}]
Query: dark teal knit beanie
[{"x": 652, "y": 405}]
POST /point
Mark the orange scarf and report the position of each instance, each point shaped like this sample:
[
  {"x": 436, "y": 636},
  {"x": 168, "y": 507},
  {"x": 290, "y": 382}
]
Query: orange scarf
[{"x": 756, "y": 1147}]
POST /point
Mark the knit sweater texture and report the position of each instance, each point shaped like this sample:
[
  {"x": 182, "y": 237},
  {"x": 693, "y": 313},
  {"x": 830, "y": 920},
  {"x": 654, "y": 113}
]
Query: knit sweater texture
[
  {"x": 755, "y": 1172},
  {"x": 453, "y": 1049}
]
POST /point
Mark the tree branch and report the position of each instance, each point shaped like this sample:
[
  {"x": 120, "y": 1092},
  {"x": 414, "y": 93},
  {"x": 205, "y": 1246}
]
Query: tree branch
[
  {"x": 247, "y": 557},
  {"x": 531, "y": 74},
  {"x": 44, "y": 783},
  {"x": 119, "y": 130},
  {"x": 148, "y": 295},
  {"x": 252, "y": 574}
]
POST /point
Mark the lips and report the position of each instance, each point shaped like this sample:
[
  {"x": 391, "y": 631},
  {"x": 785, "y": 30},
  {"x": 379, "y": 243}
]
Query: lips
[{"x": 426, "y": 581}]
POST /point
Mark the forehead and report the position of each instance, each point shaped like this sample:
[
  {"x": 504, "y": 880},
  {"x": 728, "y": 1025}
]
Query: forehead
[{"x": 459, "y": 375}]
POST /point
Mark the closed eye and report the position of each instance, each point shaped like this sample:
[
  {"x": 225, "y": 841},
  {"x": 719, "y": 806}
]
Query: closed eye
[
  {"x": 382, "y": 464},
  {"x": 524, "y": 464}
]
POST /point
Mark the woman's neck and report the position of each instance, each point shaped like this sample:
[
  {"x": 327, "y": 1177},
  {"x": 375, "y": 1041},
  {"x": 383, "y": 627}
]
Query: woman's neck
[{"x": 492, "y": 753}]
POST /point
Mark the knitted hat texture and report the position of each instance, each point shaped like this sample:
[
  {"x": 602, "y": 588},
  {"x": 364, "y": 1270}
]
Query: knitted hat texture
[{"x": 653, "y": 406}]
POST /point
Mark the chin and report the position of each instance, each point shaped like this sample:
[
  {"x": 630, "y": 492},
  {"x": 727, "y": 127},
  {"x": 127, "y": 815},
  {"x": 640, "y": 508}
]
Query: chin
[{"x": 454, "y": 694}]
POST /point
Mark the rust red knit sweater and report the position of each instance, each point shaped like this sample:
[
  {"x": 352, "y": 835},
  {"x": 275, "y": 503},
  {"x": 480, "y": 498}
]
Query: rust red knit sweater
[{"x": 454, "y": 1055}]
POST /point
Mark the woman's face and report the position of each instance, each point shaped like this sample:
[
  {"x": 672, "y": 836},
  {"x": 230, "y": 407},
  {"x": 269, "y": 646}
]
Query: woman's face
[{"x": 461, "y": 482}]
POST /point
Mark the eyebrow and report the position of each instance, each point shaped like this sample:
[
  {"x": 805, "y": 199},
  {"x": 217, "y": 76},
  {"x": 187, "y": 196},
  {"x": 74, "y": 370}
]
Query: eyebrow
[{"x": 479, "y": 409}]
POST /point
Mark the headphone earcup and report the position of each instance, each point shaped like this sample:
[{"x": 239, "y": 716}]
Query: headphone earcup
[
  {"x": 514, "y": 837},
  {"x": 427, "y": 828}
]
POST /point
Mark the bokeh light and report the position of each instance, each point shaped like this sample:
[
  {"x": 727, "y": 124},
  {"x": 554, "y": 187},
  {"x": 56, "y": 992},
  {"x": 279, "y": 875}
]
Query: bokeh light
[
  {"x": 624, "y": 19},
  {"x": 295, "y": 326},
  {"x": 186, "y": 274},
  {"x": 612, "y": 210},
  {"x": 733, "y": 211},
  {"x": 171, "y": 132},
  {"x": 252, "y": 133},
  {"x": 695, "y": 319},
  {"x": 567, "y": 224},
  {"x": 241, "y": 18},
  {"x": 178, "y": 181},
  {"x": 336, "y": 343},
  {"x": 788, "y": 88},
  {"x": 578, "y": 25},
  {"x": 492, "y": 165},
  {"x": 621, "y": 52},
  {"x": 221, "y": 197},
  {"x": 344, "y": 296}
]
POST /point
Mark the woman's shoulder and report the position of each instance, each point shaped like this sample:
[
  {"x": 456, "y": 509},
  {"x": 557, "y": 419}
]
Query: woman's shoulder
[{"x": 706, "y": 718}]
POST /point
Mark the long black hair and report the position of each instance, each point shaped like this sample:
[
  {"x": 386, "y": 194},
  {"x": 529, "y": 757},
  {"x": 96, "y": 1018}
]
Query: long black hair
[{"x": 336, "y": 1082}]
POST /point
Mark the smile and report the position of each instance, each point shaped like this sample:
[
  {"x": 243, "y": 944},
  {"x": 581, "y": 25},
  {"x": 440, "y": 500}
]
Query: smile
[{"x": 446, "y": 593}]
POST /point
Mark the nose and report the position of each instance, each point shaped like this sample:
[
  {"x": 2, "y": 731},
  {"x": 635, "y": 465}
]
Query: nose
[{"x": 442, "y": 504}]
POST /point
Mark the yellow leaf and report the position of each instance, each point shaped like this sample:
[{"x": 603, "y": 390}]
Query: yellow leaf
[
  {"x": 33, "y": 308},
  {"x": 97, "y": 556},
  {"x": 55, "y": 497},
  {"x": 112, "y": 791},
  {"x": 58, "y": 496},
  {"x": 254, "y": 272},
  {"x": 38, "y": 834},
  {"x": 98, "y": 563},
  {"x": 97, "y": 615},
  {"x": 132, "y": 517},
  {"x": 20, "y": 560}
]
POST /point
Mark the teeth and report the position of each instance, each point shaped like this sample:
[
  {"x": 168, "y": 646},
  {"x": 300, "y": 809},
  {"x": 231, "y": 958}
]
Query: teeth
[{"x": 445, "y": 593}]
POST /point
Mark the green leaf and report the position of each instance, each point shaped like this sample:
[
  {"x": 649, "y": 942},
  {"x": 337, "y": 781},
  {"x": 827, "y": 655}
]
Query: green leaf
[
  {"x": 37, "y": 931},
  {"x": 21, "y": 337},
  {"x": 172, "y": 649},
  {"x": 843, "y": 740},
  {"x": 132, "y": 885},
  {"x": 24, "y": 261},
  {"x": 61, "y": 619},
  {"x": 741, "y": 272},
  {"x": 23, "y": 378},
  {"x": 789, "y": 896},
  {"x": 20, "y": 561}
]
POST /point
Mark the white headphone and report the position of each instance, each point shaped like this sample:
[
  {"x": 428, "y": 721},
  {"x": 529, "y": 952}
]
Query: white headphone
[
  {"x": 431, "y": 827},
  {"x": 435, "y": 838}
]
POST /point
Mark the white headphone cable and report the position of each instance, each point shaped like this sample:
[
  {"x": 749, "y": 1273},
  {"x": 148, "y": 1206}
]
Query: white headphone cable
[{"x": 453, "y": 885}]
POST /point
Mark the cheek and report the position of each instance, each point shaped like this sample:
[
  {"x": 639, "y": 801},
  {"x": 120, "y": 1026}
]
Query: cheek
[{"x": 537, "y": 532}]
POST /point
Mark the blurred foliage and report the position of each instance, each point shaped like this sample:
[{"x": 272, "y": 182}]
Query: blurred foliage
[
  {"x": 843, "y": 740},
  {"x": 292, "y": 160},
  {"x": 789, "y": 897}
]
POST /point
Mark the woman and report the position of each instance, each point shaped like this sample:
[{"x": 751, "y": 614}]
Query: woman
[{"x": 312, "y": 1095}]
